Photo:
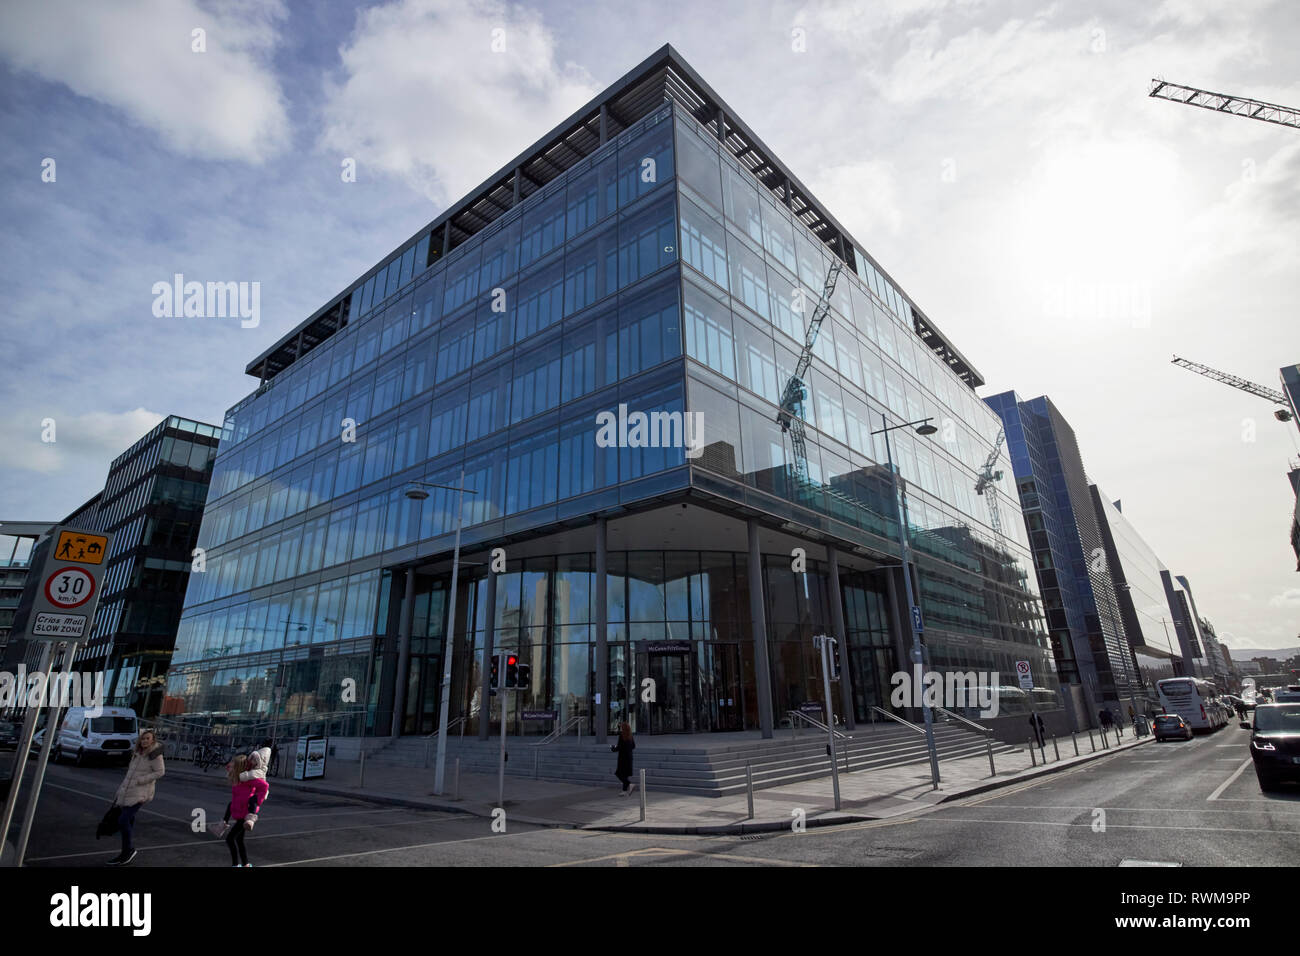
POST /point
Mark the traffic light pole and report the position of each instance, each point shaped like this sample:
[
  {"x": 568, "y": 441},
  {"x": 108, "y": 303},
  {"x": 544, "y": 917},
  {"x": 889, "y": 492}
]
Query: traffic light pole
[
  {"x": 824, "y": 646},
  {"x": 505, "y": 714}
]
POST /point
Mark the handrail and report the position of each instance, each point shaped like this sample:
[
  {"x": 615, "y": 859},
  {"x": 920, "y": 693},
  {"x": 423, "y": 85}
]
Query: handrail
[
  {"x": 817, "y": 723},
  {"x": 906, "y": 723},
  {"x": 980, "y": 727},
  {"x": 561, "y": 730},
  {"x": 451, "y": 725}
]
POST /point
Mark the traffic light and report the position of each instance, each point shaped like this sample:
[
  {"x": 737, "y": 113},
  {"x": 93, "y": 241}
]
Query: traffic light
[
  {"x": 835, "y": 658},
  {"x": 495, "y": 682},
  {"x": 512, "y": 670},
  {"x": 523, "y": 676}
]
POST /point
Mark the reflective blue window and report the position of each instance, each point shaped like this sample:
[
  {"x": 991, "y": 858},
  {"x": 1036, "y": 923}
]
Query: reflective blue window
[
  {"x": 647, "y": 241},
  {"x": 446, "y": 424},
  {"x": 426, "y": 305},
  {"x": 645, "y": 163},
  {"x": 500, "y": 257},
  {"x": 456, "y": 347},
  {"x": 495, "y": 322},
  {"x": 749, "y": 278},
  {"x": 709, "y": 337},
  {"x": 592, "y": 196},
  {"x": 408, "y": 267},
  {"x": 591, "y": 270},
  {"x": 541, "y": 300},
  {"x": 703, "y": 242},
  {"x": 697, "y": 159},
  {"x": 648, "y": 330},
  {"x": 462, "y": 281},
  {"x": 489, "y": 401},
  {"x": 537, "y": 372},
  {"x": 532, "y": 471},
  {"x": 542, "y": 228},
  {"x": 590, "y": 354}
]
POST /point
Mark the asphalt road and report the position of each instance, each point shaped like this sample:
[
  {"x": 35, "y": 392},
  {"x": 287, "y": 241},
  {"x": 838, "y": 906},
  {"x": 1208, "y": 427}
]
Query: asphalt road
[{"x": 1187, "y": 803}]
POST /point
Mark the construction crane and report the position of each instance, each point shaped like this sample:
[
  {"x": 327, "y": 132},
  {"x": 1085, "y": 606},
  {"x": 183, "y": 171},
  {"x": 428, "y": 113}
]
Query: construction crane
[
  {"x": 987, "y": 478},
  {"x": 1282, "y": 414},
  {"x": 1223, "y": 103},
  {"x": 791, "y": 417}
]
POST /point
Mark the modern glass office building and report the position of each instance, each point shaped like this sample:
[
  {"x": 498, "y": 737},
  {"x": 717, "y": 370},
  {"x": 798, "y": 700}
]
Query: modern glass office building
[
  {"x": 1155, "y": 629},
  {"x": 650, "y": 261},
  {"x": 1079, "y": 595}
]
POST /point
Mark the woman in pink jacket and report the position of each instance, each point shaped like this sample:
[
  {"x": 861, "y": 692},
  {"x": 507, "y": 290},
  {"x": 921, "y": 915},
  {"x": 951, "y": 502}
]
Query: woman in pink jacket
[{"x": 246, "y": 798}]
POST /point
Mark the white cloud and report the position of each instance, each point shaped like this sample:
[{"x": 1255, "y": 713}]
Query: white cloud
[
  {"x": 864, "y": 196},
  {"x": 424, "y": 96},
  {"x": 1288, "y": 598},
  {"x": 136, "y": 56},
  {"x": 87, "y": 443}
]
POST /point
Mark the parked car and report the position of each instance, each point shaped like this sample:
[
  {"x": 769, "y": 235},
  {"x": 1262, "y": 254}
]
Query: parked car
[
  {"x": 9, "y": 735},
  {"x": 1275, "y": 744},
  {"x": 1171, "y": 727}
]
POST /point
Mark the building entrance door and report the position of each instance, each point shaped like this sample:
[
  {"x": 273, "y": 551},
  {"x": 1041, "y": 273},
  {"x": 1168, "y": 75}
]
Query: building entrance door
[
  {"x": 422, "y": 694},
  {"x": 722, "y": 704},
  {"x": 669, "y": 712}
]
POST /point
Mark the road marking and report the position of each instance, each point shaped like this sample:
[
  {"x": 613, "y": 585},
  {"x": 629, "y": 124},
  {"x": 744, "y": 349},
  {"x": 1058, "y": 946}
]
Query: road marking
[
  {"x": 1146, "y": 863},
  {"x": 413, "y": 846},
  {"x": 202, "y": 840},
  {"x": 622, "y": 859},
  {"x": 1056, "y": 806},
  {"x": 1116, "y": 826},
  {"x": 1227, "y": 783}
]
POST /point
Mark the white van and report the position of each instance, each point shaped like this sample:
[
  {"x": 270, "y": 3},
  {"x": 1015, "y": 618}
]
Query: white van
[{"x": 96, "y": 733}]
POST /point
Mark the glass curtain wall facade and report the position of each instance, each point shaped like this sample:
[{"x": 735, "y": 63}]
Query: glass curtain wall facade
[
  {"x": 1149, "y": 621},
  {"x": 1083, "y": 615},
  {"x": 752, "y": 273},
  {"x": 656, "y": 273}
]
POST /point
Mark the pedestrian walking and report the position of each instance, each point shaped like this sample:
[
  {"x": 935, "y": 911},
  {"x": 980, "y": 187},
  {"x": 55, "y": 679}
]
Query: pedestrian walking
[
  {"x": 624, "y": 749},
  {"x": 146, "y": 767},
  {"x": 246, "y": 798},
  {"x": 1039, "y": 731}
]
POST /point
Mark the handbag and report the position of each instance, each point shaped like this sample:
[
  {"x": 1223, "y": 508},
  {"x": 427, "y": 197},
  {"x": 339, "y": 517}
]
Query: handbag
[{"x": 109, "y": 824}]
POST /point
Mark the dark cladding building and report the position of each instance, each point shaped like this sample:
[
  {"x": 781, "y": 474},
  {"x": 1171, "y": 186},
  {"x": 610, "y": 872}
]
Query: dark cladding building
[
  {"x": 1079, "y": 595},
  {"x": 18, "y": 539},
  {"x": 152, "y": 503},
  {"x": 649, "y": 255}
]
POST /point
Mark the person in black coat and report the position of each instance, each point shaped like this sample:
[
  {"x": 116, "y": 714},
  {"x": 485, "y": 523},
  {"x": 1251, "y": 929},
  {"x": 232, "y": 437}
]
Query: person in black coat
[{"x": 624, "y": 749}]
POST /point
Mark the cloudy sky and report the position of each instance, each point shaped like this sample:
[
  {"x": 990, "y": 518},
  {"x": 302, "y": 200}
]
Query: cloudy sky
[{"x": 1001, "y": 160}]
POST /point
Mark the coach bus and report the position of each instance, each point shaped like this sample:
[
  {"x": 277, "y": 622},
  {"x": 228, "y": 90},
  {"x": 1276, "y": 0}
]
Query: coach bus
[{"x": 1194, "y": 700}]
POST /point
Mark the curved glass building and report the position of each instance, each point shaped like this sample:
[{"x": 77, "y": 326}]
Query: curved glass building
[{"x": 598, "y": 340}]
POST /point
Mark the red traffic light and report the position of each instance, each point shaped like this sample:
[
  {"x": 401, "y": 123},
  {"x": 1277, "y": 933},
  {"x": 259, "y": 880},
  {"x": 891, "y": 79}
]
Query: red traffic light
[{"x": 511, "y": 661}]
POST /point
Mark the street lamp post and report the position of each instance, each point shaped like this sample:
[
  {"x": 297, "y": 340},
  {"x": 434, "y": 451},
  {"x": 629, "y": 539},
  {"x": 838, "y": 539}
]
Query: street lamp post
[
  {"x": 923, "y": 428},
  {"x": 415, "y": 491}
]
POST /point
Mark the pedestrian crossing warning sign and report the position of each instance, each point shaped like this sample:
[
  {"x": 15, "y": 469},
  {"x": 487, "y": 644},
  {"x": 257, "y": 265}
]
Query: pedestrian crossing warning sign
[{"x": 81, "y": 547}]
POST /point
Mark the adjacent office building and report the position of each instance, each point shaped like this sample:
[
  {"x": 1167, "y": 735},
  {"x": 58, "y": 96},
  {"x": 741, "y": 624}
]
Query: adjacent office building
[
  {"x": 152, "y": 503},
  {"x": 1154, "y": 619},
  {"x": 18, "y": 539},
  {"x": 597, "y": 342},
  {"x": 1088, "y": 638}
]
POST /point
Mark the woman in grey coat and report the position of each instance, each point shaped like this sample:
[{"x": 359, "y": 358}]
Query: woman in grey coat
[{"x": 136, "y": 790}]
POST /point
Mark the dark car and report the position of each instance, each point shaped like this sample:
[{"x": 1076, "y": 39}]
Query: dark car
[
  {"x": 1275, "y": 744},
  {"x": 1171, "y": 727},
  {"x": 8, "y": 735}
]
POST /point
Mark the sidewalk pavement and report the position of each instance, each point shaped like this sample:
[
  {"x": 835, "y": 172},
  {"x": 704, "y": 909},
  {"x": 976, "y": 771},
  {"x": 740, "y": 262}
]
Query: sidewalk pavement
[{"x": 868, "y": 795}]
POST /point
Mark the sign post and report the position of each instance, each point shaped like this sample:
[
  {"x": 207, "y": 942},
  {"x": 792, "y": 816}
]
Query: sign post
[
  {"x": 823, "y": 644},
  {"x": 68, "y": 570},
  {"x": 1024, "y": 673}
]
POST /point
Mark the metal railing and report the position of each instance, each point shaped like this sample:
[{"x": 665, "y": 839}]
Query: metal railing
[
  {"x": 979, "y": 728},
  {"x": 563, "y": 729},
  {"x": 905, "y": 723},
  {"x": 813, "y": 722}
]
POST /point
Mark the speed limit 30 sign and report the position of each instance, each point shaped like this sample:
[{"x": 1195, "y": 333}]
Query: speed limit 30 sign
[
  {"x": 69, "y": 587},
  {"x": 72, "y": 562}
]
